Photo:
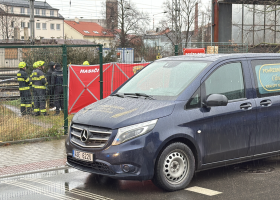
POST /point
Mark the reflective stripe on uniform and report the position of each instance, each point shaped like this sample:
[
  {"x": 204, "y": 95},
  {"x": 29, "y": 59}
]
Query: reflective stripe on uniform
[
  {"x": 27, "y": 80},
  {"x": 18, "y": 74},
  {"x": 36, "y": 110},
  {"x": 39, "y": 87},
  {"x": 24, "y": 88},
  {"x": 22, "y": 105},
  {"x": 28, "y": 105},
  {"x": 38, "y": 78},
  {"x": 43, "y": 110},
  {"x": 20, "y": 79}
]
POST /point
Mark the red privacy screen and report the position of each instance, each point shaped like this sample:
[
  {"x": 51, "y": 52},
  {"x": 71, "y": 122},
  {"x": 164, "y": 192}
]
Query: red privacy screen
[{"x": 84, "y": 87}]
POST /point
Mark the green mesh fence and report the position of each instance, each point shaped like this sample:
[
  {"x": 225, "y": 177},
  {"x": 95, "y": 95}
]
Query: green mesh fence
[{"x": 33, "y": 101}]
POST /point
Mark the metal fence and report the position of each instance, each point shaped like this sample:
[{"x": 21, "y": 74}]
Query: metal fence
[
  {"x": 219, "y": 47},
  {"x": 29, "y": 112},
  {"x": 16, "y": 126}
]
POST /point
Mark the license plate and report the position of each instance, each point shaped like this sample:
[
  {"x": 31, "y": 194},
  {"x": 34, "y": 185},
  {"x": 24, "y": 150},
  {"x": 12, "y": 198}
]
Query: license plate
[{"x": 83, "y": 155}]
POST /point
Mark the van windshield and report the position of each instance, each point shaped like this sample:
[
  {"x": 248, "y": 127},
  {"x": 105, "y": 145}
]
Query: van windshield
[{"x": 164, "y": 78}]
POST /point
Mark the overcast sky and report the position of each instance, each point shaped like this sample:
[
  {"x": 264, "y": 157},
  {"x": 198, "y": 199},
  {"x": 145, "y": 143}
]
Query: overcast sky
[{"x": 92, "y": 9}]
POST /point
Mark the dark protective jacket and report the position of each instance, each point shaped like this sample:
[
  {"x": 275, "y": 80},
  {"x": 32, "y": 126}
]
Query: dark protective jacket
[
  {"x": 23, "y": 80},
  {"x": 39, "y": 80},
  {"x": 57, "y": 78},
  {"x": 48, "y": 76}
]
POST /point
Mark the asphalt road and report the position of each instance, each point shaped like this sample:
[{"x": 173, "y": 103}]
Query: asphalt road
[{"x": 252, "y": 180}]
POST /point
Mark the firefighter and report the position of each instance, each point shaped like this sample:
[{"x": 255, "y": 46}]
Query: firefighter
[
  {"x": 31, "y": 86},
  {"x": 57, "y": 81},
  {"x": 24, "y": 89},
  {"x": 86, "y": 63},
  {"x": 39, "y": 83},
  {"x": 50, "y": 91}
]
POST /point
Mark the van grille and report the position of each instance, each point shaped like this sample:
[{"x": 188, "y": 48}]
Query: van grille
[
  {"x": 95, "y": 166},
  {"x": 97, "y": 137}
]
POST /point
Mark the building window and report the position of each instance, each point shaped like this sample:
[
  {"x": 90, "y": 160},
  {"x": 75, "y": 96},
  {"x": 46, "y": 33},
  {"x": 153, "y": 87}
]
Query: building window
[
  {"x": 28, "y": 25},
  {"x": 38, "y": 26},
  {"x": 22, "y": 37},
  {"x": 12, "y": 9},
  {"x": 44, "y": 12},
  {"x": 22, "y": 10},
  {"x": 22, "y": 24},
  {"x": 28, "y": 11},
  {"x": 13, "y": 24},
  {"x": 86, "y": 31},
  {"x": 37, "y": 11},
  {"x": 58, "y": 27},
  {"x": 52, "y": 13},
  {"x": 44, "y": 26},
  {"x": 52, "y": 26}
]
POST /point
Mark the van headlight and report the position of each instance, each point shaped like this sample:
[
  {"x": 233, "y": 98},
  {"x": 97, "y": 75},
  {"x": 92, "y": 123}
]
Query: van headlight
[{"x": 127, "y": 133}]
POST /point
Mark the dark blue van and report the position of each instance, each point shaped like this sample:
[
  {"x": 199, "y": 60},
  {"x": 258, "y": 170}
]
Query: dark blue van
[{"x": 180, "y": 115}]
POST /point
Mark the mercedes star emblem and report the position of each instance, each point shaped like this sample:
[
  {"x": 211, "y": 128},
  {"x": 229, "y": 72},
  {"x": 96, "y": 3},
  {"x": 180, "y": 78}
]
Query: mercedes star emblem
[{"x": 84, "y": 136}]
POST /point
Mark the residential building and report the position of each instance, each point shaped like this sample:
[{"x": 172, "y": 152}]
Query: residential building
[
  {"x": 15, "y": 16},
  {"x": 159, "y": 39},
  {"x": 90, "y": 31}
]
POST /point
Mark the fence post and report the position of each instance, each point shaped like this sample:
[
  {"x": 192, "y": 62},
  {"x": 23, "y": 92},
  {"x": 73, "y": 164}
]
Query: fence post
[
  {"x": 101, "y": 70},
  {"x": 176, "y": 49},
  {"x": 65, "y": 86}
]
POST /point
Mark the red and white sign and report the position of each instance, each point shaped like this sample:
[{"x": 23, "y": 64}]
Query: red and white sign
[
  {"x": 194, "y": 51},
  {"x": 84, "y": 86}
]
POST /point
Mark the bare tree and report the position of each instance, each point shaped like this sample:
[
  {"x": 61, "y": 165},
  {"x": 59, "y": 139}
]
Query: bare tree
[
  {"x": 131, "y": 23},
  {"x": 7, "y": 22},
  {"x": 181, "y": 18}
]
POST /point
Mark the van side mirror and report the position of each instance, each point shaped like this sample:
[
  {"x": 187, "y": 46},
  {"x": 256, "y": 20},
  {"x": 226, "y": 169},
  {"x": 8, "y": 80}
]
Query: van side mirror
[{"x": 216, "y": 100}]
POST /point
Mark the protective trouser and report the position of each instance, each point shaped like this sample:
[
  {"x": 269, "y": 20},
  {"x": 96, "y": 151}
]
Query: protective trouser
[
  {"x": 51, "y": 96},
  {"x": 25, "y": 102},
  {"x": 58, "y": 97},
  {"x": 39, "y": 101}
]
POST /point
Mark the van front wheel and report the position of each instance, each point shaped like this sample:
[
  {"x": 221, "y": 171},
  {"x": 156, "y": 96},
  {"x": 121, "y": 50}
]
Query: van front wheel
[{"x": 175, "y": 167}]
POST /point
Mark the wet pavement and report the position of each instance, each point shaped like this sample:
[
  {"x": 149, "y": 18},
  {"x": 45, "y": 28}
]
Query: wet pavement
[
  {"x": 252, "y": 180},
  {"x": 31, "y": 157}
]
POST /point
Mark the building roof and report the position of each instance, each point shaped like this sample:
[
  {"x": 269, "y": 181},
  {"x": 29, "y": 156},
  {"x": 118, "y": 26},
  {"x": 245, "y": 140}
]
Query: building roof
[
  {"x": 25, "y": 3},
  {"x": 89, "y": 29}
]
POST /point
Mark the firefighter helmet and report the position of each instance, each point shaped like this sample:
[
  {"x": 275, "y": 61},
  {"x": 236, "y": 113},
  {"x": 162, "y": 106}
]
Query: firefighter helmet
[
  {"x": 86, "y": 63},
  {"x": 22, "y": 65}
]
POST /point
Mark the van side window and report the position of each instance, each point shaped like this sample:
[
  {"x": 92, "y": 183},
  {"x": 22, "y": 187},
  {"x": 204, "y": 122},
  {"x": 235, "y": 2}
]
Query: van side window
[
  {"x": 226, "y": 80},
  {"x": 267, "y": 77},
  {"x": 194, "y": 101}
]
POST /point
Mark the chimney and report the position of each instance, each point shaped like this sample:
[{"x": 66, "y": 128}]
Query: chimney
[
  {"x": 26, "y": 35},
  {"x": 77, "y": 20},
  {"x": 16, "y": 33},
  {"x": 196, "y": 20},
  {"x": 111, "y": 14}
]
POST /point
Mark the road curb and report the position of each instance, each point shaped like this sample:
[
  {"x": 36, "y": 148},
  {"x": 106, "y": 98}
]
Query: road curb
[
  {"x": 32, "y": 140},
  {"x": 35, "y": 171}
]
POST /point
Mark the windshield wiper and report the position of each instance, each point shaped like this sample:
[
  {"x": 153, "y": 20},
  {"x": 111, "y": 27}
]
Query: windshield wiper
[
  {"x": 136, "y": 95},
  {"x": 145, "y": 95},
  {"x": 118, "y": 95}
]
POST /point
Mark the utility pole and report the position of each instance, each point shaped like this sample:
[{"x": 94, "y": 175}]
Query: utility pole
[
  {"x": 32, "y": 22},
  {"x": 176, "y": 18}
]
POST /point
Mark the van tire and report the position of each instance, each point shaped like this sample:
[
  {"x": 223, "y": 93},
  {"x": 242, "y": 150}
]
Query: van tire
[{"x": 174, "y": 167}]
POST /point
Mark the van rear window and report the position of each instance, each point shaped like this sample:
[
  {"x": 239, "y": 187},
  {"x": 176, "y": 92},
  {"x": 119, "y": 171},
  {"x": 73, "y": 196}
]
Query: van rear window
[{"x": 267, "y": 77}]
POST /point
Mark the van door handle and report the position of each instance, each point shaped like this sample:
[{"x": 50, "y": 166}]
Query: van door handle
[
  {"x": 246, "y": 106},
  {"x": 266, "y": 103}
]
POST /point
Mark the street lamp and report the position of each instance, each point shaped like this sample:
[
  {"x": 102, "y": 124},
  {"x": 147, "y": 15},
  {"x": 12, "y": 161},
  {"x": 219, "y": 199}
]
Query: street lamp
[{"x": 154, "y": 18}]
